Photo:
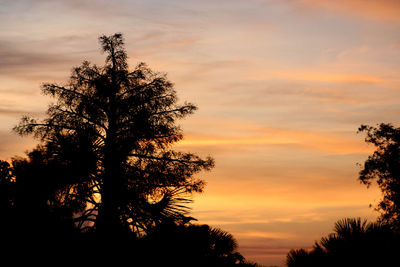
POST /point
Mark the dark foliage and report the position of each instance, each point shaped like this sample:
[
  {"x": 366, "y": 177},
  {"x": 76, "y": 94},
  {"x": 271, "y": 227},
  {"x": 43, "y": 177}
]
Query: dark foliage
[
  {"x": 31, "y": 191},
  {"x": 112, "y": 129},
  {"x": 383, "y": 166},
  {"x": 355, "y": 242},
  {"x": 104, "y": 186},
  {"x": 37, "y": 224},
  {"x": 194, "y": 245}
]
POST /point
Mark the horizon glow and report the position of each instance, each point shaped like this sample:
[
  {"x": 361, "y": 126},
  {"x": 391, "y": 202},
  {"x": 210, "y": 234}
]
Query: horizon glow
[{"x": 282, "y": 87}]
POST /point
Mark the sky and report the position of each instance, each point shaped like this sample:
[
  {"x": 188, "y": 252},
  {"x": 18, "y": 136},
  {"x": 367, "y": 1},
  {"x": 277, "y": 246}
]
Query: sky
[{"x": 281, "y": 86}]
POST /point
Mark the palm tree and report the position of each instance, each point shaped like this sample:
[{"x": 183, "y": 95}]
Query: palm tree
[
  {"x": 193, "y": 245},
  {"x": 354, "y": 242}
]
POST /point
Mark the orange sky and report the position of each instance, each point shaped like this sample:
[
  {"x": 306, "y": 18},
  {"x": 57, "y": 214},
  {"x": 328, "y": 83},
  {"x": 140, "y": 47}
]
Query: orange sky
[{"x": 281, "y": 86}]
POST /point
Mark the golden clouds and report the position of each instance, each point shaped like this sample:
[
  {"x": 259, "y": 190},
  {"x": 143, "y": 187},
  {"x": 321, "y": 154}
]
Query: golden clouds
[
  {"x": 313, "y": 76},
  {"x": 370, "y": 9},
  {"x": 325, "y": 141},
  {"x": 281, "y": 90}
]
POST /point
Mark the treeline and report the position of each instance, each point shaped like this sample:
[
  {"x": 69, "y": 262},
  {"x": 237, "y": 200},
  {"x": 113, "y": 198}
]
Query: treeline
[{"x": 356, "y": 242}]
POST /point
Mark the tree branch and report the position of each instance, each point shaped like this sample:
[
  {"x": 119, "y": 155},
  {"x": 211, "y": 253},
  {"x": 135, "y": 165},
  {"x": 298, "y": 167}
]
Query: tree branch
[
  {"x": 166, "y": 159},
  {"x": 81, "y": 116}
]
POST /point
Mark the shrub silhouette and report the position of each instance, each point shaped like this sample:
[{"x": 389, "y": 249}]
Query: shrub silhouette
[{"x": 355, "y": 242}]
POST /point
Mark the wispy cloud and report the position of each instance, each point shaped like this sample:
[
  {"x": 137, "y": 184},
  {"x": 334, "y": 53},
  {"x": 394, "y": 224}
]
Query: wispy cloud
[
  {"x": 266, "y": 240},
  {"x": 23, "y": 60},
  {"x": 387, "y": 10},
  {"x": 270, "y": 74},
  {"x": 282, "y": 87},
  {"x": 326, "y": 141},
  {"x": 12, "y": 142}
]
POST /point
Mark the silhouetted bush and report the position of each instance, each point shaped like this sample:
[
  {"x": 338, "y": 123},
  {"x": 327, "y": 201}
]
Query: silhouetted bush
[{"x": 355, "y": 242}]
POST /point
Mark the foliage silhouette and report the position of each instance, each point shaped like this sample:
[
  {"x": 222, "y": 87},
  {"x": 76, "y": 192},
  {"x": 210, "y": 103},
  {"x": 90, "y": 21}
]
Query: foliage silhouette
[
  {"x": 195, "y": 245},
  {"x": 115, "y": 128},
  {"x": 30, "y": 194},
  {"x": 384, "y": 167},
  {"x": 105, "y": 185},
  {"x": 34, "y": 224},
  {"x": 30, "y": 191},
  {"x": 355, "y": 242}
]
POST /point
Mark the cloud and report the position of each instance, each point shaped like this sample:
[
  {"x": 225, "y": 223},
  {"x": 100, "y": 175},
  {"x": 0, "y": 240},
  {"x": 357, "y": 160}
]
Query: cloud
[
  {"x": 312, "y": 76},
  {"x": 325, "y": 141},
  {"x": 387, "y": 10},
  {"x": 98, "y": 8},
  {"x": 268, "y": 241},
  {"x": 13, "y": 112},
  {"x": 12, "y": 145},
  {"x": 14, "y": 59},
  {"x": 281, "y": 95},
  {"x": 30, "y": 60}
]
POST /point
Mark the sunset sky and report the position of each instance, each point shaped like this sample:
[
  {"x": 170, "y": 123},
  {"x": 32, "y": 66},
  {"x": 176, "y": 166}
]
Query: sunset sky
[{"x": 281, "y": 85}]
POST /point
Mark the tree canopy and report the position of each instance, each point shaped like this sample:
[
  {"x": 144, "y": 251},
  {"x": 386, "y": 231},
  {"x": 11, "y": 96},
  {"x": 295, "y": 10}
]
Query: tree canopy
[
  {"x": 354, "y": 242},
  {"x": 383, "y": 166},
  {"x": 113, "y": 129}
]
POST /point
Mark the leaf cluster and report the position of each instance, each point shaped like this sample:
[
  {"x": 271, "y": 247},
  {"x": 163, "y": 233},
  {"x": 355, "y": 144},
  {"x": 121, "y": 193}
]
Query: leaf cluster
[
  {"x": 354, "y": 242},
  {"x": 383, "y": 166}
]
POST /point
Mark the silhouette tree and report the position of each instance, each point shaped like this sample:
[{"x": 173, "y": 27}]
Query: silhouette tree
[
  {"x": 301, "y": 258},
  {"x": 7, "y": 195},
  {"x": 38, "y": 206},
  {"x": 194, "y": 245},
  {"x": 355, "y": 242},
  {"x": 115, "y": 127},
  {"x": 36, "y": 200},
  {"x": 383, "y": 166}
]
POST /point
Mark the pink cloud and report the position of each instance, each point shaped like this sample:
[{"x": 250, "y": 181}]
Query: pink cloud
[{"x": 387, "y": 10}]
